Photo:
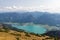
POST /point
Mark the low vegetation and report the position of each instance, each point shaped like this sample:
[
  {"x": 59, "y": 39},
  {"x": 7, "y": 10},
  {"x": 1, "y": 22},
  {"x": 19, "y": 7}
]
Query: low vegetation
[{"x": 8, "y": 34}]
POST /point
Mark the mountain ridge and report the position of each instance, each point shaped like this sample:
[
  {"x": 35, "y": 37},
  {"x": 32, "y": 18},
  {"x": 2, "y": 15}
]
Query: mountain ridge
[{"x": 27, "y": 17}]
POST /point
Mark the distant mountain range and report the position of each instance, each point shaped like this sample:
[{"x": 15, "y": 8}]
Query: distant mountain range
[{"x": 27, "y": 17}]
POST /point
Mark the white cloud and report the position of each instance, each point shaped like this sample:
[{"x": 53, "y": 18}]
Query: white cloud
[{"x": 42, "y": 8}]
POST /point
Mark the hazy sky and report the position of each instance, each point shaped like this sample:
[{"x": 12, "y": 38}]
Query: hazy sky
[{"x": 30, "y": 5}]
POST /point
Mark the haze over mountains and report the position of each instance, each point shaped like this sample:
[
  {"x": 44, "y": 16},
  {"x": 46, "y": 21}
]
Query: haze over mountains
[
  {"x": 27, "y": 17},
  {"x": 44, "y": 18}
]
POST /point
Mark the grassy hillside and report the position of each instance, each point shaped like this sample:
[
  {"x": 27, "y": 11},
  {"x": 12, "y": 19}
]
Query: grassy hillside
[{"x": 8, "y": 34}]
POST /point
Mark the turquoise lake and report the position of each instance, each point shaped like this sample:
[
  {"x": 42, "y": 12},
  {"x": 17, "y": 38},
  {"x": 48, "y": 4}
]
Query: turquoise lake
[{"x": 34, "y": 29}]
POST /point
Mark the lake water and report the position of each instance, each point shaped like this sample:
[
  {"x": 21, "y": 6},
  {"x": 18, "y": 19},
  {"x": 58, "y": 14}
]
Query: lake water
[{"x": 34, "y": 29}]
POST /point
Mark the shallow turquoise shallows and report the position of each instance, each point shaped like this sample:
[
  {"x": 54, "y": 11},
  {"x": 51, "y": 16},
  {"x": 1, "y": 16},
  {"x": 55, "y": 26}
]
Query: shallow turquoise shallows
[{"x": 34, "y": 29}]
